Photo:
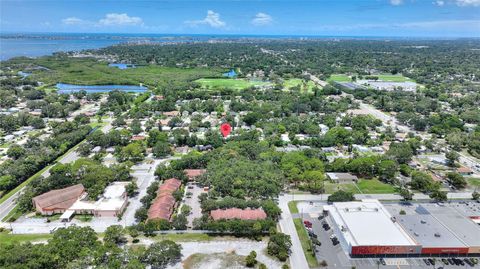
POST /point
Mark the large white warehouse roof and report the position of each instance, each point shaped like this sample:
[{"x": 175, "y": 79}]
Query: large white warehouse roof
[{"x": 368, "y": 223}]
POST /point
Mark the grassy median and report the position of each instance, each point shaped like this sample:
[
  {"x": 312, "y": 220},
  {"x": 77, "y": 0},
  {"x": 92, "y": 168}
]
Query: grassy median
[
  {"x": 292, "y": 206},
  {"x": 306, "y": 243}
]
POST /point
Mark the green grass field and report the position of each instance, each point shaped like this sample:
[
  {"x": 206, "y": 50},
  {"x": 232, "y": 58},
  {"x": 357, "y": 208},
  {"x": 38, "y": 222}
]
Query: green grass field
[
  {"x": 292, "y": 206},
  {"x": 333, "y": 187},
  {"x": 475, "y": 182},
  {"x": 293, "y": 82},
  {"x": 339, "y": 78},
  {"x": 374, "y": 186},
  {"x": 383, "y": 77},
  {"x": 6, "y": 238},
  {"x": 305, "y": 241},
  {"x": 236, "y": 84}
]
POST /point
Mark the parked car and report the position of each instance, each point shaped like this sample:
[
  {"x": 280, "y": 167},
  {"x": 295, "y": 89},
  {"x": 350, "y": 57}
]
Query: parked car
[
  {"x": 382, "y": 261},
  {"x": 316, "y": 242},
  {"x": 467, "y": 261},
  {"x": 307, "y": 224},
  {"x": 426, "y": 261}
]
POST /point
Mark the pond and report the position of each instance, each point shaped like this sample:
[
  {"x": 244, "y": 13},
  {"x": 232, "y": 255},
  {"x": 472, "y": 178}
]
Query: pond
[
  {"x": 70, "y": 88},
  {"x": 122, "y": 66},
  {"x": 230, "y": 74},
  {"x": 23, "y": 74}
]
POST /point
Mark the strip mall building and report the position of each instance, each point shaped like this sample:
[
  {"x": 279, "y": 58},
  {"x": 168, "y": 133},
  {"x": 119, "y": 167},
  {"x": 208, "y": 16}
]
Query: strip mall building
[{"x": 369, "y": 228}]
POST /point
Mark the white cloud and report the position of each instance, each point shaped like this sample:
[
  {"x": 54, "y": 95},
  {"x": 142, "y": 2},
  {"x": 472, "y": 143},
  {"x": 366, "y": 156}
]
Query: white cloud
[
  {"x": 115, "y": 19},
  {"x": 262, "y": 19},
  {"x": 439, "y": 3},
  {"x": 110, "y": 19},
  {"x": 73, "y": 21},
  {"x": 396, "y": 2},
  {"x": 464, "y": 3},
  {"x": 212, "y": 19}
]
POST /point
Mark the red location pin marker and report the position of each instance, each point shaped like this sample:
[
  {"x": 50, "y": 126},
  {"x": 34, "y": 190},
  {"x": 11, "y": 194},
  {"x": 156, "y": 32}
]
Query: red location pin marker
[{"x": 225, "y": 129}]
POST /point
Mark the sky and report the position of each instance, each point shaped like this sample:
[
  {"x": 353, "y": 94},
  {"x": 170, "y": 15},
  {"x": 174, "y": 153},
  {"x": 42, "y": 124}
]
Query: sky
[{"x": 402, "y": 18}]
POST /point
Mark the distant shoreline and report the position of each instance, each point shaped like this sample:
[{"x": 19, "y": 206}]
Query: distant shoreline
[{"x": 43, "y": 44}]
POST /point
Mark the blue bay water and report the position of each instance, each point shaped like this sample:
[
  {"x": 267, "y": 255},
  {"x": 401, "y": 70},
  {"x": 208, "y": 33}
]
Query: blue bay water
[{"x": 35, "y": 45}]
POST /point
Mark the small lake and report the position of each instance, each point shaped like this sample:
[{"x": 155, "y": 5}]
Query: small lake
[
  {"x": 230, "y": 74},
  {"x": 70, "y": 88},
  {"x": 23, "y": 74},
  {"x": 122, "y": 66}
]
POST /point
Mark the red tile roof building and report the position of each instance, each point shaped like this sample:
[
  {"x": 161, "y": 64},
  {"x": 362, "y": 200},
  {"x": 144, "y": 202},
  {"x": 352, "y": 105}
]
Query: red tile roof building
[
  {"x": 138, "y": 137},
  {"x": 193, "y": 173},
  {"x": 57, "y": 201},
  {"x": 464, "y": 170},
  {"x": 162, "y": 207},
  {"x": 237, "y": 213}
]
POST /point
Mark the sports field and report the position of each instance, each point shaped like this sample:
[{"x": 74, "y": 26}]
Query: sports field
[
  {"x": 339, "y": 78},
  {"x": 236, "y": 84},
  {"x": 293, "y": 82}
]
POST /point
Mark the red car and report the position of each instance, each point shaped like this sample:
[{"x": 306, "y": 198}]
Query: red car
[{"x": 307, "y": 224}]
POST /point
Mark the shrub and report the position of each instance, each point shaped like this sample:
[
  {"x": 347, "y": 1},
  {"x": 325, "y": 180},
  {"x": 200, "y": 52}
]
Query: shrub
[{"x": 250, "y": 260}]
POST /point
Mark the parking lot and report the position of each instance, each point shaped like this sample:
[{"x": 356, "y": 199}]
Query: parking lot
[
  {"x": 193, "y": 191},
  {"x": 336, "y": 257}
]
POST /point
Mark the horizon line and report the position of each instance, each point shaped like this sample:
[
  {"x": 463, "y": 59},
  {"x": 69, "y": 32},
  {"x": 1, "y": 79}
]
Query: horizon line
[{"x": 247, "y": 35}]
